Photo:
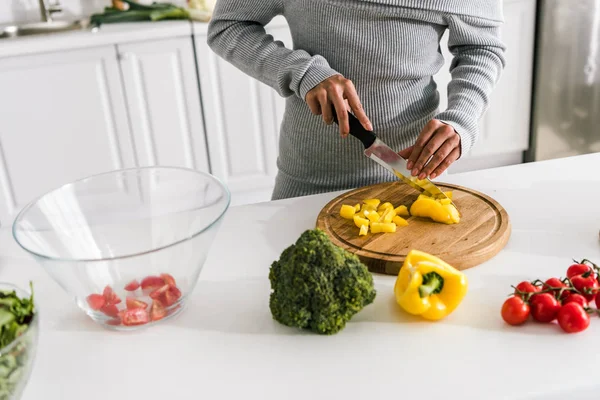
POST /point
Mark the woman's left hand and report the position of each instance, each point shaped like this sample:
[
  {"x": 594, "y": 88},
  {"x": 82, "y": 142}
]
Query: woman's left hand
[{"x": 437, "y": 141}]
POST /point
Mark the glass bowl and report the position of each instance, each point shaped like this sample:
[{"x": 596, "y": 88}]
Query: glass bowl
[
  {"x": 130, "y": 244},
  {"x": 17, "y": 357}
]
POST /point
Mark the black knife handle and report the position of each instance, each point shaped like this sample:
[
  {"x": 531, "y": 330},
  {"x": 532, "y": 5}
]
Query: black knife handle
[{"x": 357, "y": 130}]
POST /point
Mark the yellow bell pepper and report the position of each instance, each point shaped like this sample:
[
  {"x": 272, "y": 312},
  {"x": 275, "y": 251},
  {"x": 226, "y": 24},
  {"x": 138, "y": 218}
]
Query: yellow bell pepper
[
  {"x": 347, "y": 211},
  {"x": 385, "y": 206},
  {"x": 428, "y": 286},
  {"x": 360, "y": 221},
  {"x": 373, "y": 216},
  {"x": 448, "y": 194},
  {"x": 429, "y": 207},
  {"x": 357, "y": 208},
  {"x": 363, "y": 230},
  {"x": 399, "y": 221},
  {"x": 402, "y": 211},
  {"x": 372, "y": 202},
  {"x": 388, "y": 215},
  {"x": 379, "y": 227}
]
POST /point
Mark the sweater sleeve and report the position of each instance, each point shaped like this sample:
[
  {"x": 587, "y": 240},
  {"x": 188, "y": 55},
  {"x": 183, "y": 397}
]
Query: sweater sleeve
[
  {"x": 475, "y": 69},
  {"x": 237, "y": 34}
]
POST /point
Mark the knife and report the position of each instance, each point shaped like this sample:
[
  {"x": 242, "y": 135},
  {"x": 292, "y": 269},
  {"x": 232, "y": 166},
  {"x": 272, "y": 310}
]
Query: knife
[{"x": 382, "y": 154}]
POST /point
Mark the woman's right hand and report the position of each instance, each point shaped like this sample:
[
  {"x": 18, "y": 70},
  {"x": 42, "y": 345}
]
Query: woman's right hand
[{"x": 339, "y": 93}]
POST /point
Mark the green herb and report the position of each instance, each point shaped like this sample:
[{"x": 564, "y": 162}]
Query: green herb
[
  {"x": 16, "y": 314},
  {"x": 140, "y": 12}
]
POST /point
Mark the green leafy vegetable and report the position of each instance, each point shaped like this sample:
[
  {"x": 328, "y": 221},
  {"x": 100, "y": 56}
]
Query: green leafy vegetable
[
  {"x": 139, "y": 12},
  {"x": 16, "y": 315},
  {"x": 318, "y": 286}
]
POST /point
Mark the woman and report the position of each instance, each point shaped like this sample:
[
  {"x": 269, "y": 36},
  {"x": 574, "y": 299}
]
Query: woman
[{"x": 375, "y": 58}]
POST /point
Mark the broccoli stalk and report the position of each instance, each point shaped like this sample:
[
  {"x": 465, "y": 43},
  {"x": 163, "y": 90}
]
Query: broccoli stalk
[{"x": 318, "y": 286}]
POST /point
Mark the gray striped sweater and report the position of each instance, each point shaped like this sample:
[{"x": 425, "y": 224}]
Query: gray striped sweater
[{"x": 389, "y": 49}]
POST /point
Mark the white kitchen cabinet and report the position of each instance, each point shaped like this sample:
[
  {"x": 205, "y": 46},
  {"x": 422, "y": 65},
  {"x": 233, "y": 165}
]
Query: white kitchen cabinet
[
  {"x": 163, "y": 100},
  {"x": 242, "y": 118},
  {"x": 62, "y": 117},
  {"x": 505, "y": 126}
]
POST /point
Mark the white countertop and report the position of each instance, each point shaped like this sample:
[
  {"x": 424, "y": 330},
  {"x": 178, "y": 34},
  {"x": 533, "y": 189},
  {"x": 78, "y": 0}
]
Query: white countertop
[{"x": 225, "y": 345}]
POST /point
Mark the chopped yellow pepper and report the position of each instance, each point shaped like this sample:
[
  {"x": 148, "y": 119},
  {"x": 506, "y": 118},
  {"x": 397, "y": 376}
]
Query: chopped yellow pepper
[
  {"x": 347, "y": 211},
  {"x": 357, "y": 208},
  {"x": 363, "y": 230},
  {"x": 402, "y": 211},
  {"x": 428, "y": 286},
  {"x": 385, "y": 206},
  {"x": 399, "y": 221},
  {"x": 373, "y": 216},
  {"x": 360, "y": 222},
  {"x": 372, "y": 202},
  {"x": 429, "y": 207},
  {"x": 448, "y": 194},
  {"x": 388, "y": 215},
  {"x": 379, "y": 227}
]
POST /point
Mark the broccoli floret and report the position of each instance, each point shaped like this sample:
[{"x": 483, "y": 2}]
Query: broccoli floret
[{"x": 318, "y": 286}]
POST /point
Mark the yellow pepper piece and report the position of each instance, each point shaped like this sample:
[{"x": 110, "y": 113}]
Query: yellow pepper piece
[
  {"x": 402, "y": 211},
  {"x": 428, "y": 286},
  {"x": 448, "y": 194},
  {"x": 379, "y": 227},
  {"x": 347, "y": 211},
  {"x": 372, "y": 202},
  {"x": 385, "y": 206},
  {"x": 434, "y": 209},
  {"x": 373, "y": 216},
  {"x": 360, "y": 222},
  {"x": 445, "y": 201},
  {"x": 388, "y": 215},
  {"x": 357, "y": 208},
  {"x": 399, "y": 221},
  {"x": 363, "y": 230}
]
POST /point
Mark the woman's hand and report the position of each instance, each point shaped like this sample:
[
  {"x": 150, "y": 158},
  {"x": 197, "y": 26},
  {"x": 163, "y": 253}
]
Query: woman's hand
[
  {"x": 437, "y": 141},
  {"x": 337, "y": 93}
]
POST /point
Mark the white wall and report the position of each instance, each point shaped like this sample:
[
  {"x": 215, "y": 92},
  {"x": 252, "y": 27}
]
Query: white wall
[{"x": 28, "y": 10}]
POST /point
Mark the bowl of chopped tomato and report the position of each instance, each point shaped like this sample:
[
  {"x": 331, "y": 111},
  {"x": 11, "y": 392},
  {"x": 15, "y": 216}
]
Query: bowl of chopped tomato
[{"x": 129, "y": 244}]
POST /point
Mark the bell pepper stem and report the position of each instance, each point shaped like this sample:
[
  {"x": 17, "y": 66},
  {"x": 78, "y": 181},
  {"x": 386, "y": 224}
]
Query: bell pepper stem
[{"x": 432, "y": 283}]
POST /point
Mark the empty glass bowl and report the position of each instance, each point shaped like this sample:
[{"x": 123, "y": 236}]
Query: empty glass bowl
[{"x": 130, "y": 244}]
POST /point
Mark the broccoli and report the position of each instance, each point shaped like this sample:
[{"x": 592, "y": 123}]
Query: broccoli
[{"x": 317, "y": 285}]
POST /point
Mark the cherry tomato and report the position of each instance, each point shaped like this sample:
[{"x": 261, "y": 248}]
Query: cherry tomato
[
  {"x": 556, "y": 283},
  {"x": 150, "y": 283},
  {"x": 110, "y": 296},
  {"x": 137, "y": 316},
  {"x": 577, "y": 269},
  {"x": 168, "y": 279},
  {"x": 515, "y": 311},
  {"x": 576, "y": 298},
  {"x": 111, "y": 310},
  {"x": 526, "y": 287},
  {"x": 598, "y": 302},
  {"x": 133, "y": 285},
  {"x": 133, "y": 303},
  {"x": 167, "y": 295},
  {"x": 572, "y": 318},
  {"x": 587, "y": 285},
  {"x": 157, "y": 311},
  {"x": 544, "y": 307},
  {"x": 96, "y": 301}
]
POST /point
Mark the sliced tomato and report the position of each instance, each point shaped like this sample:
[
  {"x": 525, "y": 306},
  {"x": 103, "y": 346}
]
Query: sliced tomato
[
  {"x": 110, "y": 296},
  {"x": 133, "y": 285},
  {"x": 158, "y": 293},
  {"x": 133, "y": 303},
  {"x": 111, "y": 310},
  {"x": 137, "y": 316},
  {"x": 96, "y": 301},
  {"x": 152, "y": 283},
  {"x": 157, "y": 311},
  {"x": 167, "y": 295},
  {"x": 168, "y": 279},
  {"x": 114, "y": 321}
]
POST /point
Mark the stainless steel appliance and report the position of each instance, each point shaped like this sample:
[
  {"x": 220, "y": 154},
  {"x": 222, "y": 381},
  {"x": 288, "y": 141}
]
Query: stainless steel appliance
[{"x": 566, "y": 105}]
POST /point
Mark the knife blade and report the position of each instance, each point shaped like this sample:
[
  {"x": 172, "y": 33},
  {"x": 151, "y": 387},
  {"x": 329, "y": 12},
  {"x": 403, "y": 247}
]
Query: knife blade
[{"x": 382, "y": 154}]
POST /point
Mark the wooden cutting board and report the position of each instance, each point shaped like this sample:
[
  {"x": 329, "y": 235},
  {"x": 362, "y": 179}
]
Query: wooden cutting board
[{"x": 482, "y": 232}]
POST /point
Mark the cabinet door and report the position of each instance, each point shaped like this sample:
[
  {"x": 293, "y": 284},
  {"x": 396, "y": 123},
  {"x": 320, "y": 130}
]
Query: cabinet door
[
  {"x": 505, "y": 125},
  {"x": 163, "y": 99},
  {"x": 242, "y": 122},
  {"x": 62, "y": 117}
]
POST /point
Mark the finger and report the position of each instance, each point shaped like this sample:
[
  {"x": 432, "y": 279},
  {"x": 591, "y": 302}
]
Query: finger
[
  {"x": 453, "y": 156},
  {"x": 406, "y": 152},
  {"x": 422, "y": 140},
  {"x": 341, "y": 111},
  {"x": 439, "y": 156},
  {"x": 325, "y": 108},
  {"x": 434, "y": 143},
  {"x": 356, "y": 106},
  {"x": 314, "y": 105}
]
